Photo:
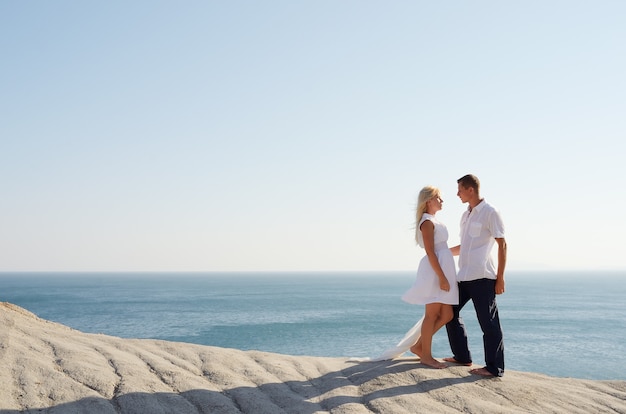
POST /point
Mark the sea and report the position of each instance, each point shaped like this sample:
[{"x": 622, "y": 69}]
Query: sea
[{"x": 563, "y": 324}]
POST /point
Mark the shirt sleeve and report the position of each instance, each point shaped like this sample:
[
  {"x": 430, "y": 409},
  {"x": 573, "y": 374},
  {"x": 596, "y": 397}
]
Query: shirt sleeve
[{"x": 496, "y": 226}]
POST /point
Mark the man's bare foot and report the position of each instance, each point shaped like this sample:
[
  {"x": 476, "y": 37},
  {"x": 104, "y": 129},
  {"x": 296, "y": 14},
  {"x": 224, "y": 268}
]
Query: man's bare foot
[
  {"x": 482, "y": 372},
  {"x": 433, "y": 363},
  {"x": 454, "y": 361}
]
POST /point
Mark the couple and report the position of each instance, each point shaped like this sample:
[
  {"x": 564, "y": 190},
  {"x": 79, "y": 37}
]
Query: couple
[{"x": 444, "y": 292}]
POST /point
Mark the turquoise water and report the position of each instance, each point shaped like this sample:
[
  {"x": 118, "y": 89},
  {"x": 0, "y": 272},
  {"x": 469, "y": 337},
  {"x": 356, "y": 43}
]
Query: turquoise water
[{"x": 561, "y": 324}]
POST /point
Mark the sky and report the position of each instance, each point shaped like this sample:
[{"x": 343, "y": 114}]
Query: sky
[{"x": 295, "y": 136}]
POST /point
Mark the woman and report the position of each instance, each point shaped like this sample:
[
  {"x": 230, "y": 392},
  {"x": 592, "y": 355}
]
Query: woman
[{"x": 435, "y": 285}]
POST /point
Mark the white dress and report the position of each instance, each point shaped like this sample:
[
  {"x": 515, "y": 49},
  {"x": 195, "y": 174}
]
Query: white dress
[{"x": 426, "y": 289}]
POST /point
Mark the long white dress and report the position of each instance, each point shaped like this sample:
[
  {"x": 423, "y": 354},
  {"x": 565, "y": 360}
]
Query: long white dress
[{"x": 426, "y": 289}]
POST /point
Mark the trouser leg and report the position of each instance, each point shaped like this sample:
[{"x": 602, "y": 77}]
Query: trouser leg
[
  {"x": 457, "y": 335},
  {"x": 484, "y": 297}
]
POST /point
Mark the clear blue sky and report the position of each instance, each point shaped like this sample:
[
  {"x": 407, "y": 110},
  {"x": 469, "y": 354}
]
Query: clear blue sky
[{"x": 281, "y": 135}]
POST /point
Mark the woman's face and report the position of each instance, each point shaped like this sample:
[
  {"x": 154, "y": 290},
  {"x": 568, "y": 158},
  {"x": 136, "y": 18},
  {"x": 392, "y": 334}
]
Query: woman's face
[{"x": 436, "y": 203}]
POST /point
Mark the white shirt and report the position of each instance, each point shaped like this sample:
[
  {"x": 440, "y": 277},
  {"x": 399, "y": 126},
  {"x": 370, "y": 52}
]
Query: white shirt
[{"x": 479, "y": 229}]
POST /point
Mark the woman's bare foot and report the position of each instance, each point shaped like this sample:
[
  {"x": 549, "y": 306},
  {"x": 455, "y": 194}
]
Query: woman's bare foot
[
  {"x": 417, "y": 349},
  {"x": 432, "y": 362}
]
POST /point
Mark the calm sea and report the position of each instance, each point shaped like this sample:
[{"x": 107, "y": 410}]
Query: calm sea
[{"x": 561, "y": 324}]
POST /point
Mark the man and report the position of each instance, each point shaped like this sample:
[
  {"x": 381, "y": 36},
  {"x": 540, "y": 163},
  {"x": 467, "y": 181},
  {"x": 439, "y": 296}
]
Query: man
[{"x": 479, "y": 280}]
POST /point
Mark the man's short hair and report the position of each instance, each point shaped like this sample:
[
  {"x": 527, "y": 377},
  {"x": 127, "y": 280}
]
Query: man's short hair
[{"x": 469, "y": 180}]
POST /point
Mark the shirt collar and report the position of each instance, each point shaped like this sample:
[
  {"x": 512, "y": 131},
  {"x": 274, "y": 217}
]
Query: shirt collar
[{"x": 478, "y": 207}]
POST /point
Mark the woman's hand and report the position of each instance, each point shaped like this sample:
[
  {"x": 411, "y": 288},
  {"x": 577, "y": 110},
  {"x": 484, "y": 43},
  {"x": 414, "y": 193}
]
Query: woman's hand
[{"x": 444, "y": 285}]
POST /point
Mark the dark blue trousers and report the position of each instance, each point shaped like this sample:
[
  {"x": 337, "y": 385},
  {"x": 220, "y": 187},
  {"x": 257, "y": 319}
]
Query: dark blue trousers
[{"x": 483, "y": 295}]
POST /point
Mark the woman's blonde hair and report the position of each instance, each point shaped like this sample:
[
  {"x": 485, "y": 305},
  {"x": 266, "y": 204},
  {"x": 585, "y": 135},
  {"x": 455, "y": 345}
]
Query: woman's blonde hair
[{"x": 425, "y": 194}]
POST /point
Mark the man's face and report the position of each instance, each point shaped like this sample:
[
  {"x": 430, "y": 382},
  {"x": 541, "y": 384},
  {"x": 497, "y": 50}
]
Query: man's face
[{"x": 464, "y": 193}]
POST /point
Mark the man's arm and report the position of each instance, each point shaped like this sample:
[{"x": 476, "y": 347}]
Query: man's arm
[{"x": 501, "y": 265}]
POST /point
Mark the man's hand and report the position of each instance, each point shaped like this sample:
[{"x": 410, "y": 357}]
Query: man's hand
[{"x": 499, "y": 286}]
